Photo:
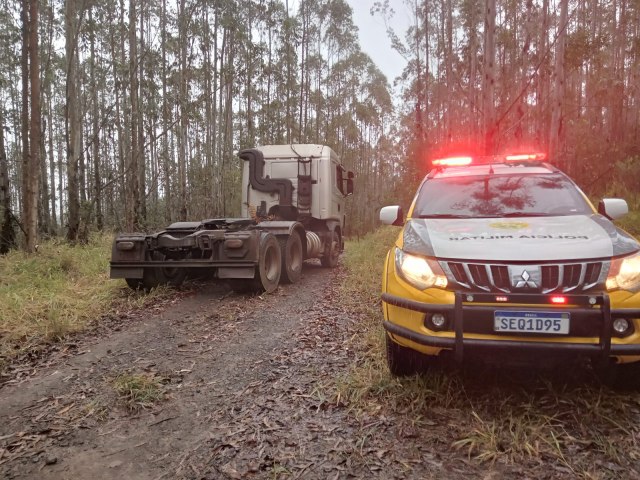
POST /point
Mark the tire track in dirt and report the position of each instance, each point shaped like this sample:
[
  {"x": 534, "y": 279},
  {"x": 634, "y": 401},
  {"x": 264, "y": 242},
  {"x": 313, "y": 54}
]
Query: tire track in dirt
[
  {"x": 209, "y": 349},
  {"x": 251, "y": 388}
]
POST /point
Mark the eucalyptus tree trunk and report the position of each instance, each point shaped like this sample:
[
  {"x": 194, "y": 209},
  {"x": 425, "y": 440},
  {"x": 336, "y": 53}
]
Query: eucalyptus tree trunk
[
  {"x": 95, "y": 129},
  {"x": 133, "y": 192},
  {"x": 7, "y": 233},
  {"x": 183, "y": 112},
  {"x": 555, "y": 131},
  {"x": 24, "y": 115},
  {"x": 141, "y": 157},
  {"x": 165, "y": 118},
  {"x": 30, "y": 124},
  {"x": 72, "y": 120},
  {"x": 542, "y": 89},
  {"x": 488, "y": 87}
]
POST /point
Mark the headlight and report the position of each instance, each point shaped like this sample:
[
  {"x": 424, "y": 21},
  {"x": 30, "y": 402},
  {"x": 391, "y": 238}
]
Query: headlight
[
  {"x": 420, "y": 272},
  {"x": 624, "y": 274}
]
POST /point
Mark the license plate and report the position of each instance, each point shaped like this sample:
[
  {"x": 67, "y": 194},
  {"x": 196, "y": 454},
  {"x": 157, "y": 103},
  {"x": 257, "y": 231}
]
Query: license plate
[{"x": 531, "y": 322}]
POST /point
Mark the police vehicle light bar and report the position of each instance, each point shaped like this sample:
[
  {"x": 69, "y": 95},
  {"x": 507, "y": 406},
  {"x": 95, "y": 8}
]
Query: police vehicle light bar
[
  {"x": 452, "y": 162},
  {"x": 525, "y": 156}
]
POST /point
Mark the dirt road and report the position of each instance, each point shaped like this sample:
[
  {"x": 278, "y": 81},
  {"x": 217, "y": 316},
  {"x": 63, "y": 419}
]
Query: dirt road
[
  {"x": 249, "y": 392},
  {"x": 249, "y": 389}
]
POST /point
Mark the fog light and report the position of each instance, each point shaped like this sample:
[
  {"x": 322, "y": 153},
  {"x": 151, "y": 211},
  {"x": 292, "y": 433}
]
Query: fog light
[
  {"x": 620, "y": 325},
  {"x": 436, "y": 321}
]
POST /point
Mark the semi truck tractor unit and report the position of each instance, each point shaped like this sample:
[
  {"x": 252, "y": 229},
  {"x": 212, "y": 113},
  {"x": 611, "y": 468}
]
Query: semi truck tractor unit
[{"x": 293, "y": 209}]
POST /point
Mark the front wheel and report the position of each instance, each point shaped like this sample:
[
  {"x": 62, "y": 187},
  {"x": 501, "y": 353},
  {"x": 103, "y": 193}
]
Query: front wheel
[
  {"x": 622, "y": 376},
  {"x": 403, "y": 361},
  {"x": 331, "y": 250}
]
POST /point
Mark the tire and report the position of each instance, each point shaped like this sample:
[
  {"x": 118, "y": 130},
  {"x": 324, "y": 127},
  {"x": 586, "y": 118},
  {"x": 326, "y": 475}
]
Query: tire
[
  {"x": 331, "y": 251},
  {"x": 292, "y": 257},
  {"x": 171, "y": 276},
  {"x": 623, "y": 376},
  {"x": 150, "y": 279},
  {"x": 268, "y": 270},
  {"x": 403, "y": 361},
  {"x": 269, "y": 267},
  {"x": 135, "y": 283}
]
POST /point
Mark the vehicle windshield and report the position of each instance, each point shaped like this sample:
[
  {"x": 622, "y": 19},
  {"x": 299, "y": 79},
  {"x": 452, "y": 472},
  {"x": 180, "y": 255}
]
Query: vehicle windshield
[{"x": 499, "y": 196}]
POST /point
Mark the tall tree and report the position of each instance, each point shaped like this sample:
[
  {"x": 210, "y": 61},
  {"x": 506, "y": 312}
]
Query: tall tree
[
  {"x": 7, "y": 233},
  {"x": 73, "y": 126},
  {"x": 488, "y": 85},
  {"x": 30, "y": 123},
  {"x": 556, "y": 133}
]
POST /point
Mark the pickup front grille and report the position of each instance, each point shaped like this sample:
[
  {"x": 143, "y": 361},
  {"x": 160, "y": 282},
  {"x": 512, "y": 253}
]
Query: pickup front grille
[{"x": 518, "y": 278}]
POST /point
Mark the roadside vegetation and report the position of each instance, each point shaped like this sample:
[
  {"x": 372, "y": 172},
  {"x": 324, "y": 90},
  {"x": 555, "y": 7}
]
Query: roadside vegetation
[
  {"x": 516, "y": 416},
  {"x": 57, "y": 291},
  {"x": 138, "y": 390}
]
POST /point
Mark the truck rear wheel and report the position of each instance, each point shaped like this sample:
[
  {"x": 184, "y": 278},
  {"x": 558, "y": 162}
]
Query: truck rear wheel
[
  {"x": 134, "y": 283},
  {"x": 292, "y": 257},
  {"x": 268, "y": 270},
  {"x": 171, "y": 276},
  {"x": 331, "y": 251},
  {"x": 270, "y": 264},
  {"x": 150, "y": 279}
]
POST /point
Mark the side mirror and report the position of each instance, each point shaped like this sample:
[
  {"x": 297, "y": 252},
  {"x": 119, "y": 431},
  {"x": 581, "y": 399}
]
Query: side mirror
[
  {"x": 350, "y": 183},
  {"x": 613, "y": 208},
  {"x": 392, "y": 215}
]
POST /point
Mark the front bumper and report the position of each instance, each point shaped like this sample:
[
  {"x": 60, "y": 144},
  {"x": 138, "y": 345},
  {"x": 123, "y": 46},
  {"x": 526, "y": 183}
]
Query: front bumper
[{"x": 466, "y": 303}]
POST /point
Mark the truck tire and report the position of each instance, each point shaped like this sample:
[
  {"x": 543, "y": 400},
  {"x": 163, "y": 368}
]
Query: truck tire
[
  {"x": 292, "y": 257},
  {"x": 331, "y": 251},
  {"x": 150, "y": 279},
  {"x": 135, "y": 283},
  {"x": 171, "y": 276},
  {"x": 268, "y": 270},
  {"x": 270, "y": 264},
  {"x": 403, "y": 361}
]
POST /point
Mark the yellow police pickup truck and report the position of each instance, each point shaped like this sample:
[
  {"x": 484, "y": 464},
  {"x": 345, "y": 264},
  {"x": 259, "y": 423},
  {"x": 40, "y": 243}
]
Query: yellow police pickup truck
[{"x": 506, "y": 257}]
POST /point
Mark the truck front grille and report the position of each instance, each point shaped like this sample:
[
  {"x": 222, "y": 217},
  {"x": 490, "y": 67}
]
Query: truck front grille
[{"x": 518, "y": 278}]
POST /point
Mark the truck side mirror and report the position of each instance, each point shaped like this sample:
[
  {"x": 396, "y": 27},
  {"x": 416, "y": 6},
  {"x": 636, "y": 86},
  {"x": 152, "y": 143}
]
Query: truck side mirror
[{"x": 350, "y": 183}]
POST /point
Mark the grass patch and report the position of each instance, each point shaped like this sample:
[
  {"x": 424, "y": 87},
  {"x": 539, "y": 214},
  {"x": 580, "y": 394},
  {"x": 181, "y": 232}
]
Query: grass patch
[
  {"x": 58, "y": 291},
  {"x": 631, "y": 223},
  {"x": 562, "y": 419},
  {"x": 138, "y": 391}
]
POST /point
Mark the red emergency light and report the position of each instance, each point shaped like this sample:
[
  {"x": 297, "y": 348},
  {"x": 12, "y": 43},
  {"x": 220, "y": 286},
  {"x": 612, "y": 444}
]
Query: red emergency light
[
  {"x": 559, "y": 300},
  {"x": 525, "y": 156},
  {"x": 452, "y": 162}
]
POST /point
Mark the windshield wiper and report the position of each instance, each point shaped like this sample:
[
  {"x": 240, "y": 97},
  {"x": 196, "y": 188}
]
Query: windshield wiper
[
  {"x": 524, "y": 214},
  {"x": 445, "y": 215}
]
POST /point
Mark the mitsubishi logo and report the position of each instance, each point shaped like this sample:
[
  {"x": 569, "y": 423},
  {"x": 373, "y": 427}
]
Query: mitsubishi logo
[{"x": 525, "y": 281}]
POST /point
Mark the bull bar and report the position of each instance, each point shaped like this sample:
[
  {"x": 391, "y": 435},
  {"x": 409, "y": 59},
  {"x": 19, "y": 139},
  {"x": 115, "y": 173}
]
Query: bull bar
[{"x": 597, "y": 304}]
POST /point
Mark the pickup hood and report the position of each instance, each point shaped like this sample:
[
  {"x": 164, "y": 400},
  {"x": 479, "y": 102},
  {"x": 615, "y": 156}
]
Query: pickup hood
[{"x": 522, "y": 239}]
